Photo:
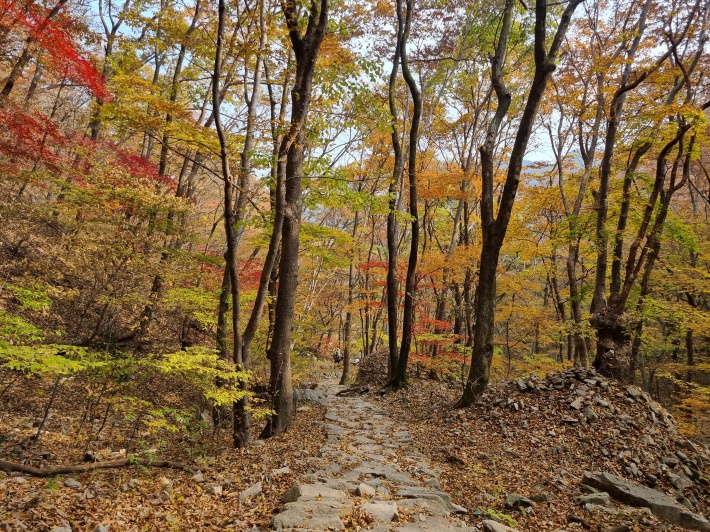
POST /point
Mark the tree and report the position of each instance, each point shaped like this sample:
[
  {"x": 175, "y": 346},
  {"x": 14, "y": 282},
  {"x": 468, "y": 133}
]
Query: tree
[
  {"x": 306, "y": 45},
  {"x": 399, "y": 371},
  {"x": 494, "y": 227},
  {"x": 615, "y": 356}
]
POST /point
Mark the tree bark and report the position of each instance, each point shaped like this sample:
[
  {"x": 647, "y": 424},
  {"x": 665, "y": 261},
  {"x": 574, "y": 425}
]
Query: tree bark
[
  {"x": 83, "y": 468},
  {"x": 241, "y": 431},
  {"x": 349, "y": 312}
]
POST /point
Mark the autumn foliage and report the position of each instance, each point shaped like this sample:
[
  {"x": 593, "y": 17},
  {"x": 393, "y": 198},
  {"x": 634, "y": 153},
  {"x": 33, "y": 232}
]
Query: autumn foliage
[{"x": 112, "y": 188}]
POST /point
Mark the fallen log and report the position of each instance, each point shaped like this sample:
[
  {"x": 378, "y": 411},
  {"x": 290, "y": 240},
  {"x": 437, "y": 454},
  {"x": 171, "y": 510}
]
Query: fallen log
[
  {"x": 353, "y": 390},
  {"x": 83, "y": 468}
]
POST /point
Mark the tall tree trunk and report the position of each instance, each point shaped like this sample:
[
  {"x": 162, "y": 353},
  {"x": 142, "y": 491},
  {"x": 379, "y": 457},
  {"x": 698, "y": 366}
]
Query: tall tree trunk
[
  {"x": 367, "y": 318},
  {"x": 494, "y": 228},
  {"x": 392, "y": 289},
  {"x": 234, "y": 217},
  {"x": 222, "y": 321},
  {"x": 399, "y": 377},
  {"x": 241, "y": 428},
  {"x": 689, "y": 348},
  {"x": 306, "y": 46},
  {"x": 349, "y": 312},
  {"x": 229, "y": 188}
]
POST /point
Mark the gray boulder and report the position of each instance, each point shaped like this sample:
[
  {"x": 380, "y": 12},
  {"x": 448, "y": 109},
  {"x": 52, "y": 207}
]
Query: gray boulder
[
  {"x": 515, "y": 500},
  {"x": 426, "y": 506},
  {"x": 298, "y": 519},
  {"x": 381, "y": 511},
  {"x": 679, "y": 482},
  {"x": 415, "y": 492},
  {"x": 251, "y": 491},
  {"x": 327, "y": 506},
  {"x": 661, "y": 505},
  {"x": 313, "y": 492},
  {"x": 494, "y": 526},
  {"x": 72, "y": 483},
  {"x": 305, "y": 394},
  {"x": 601, "y": 498},
  {"x": 363, "y": 490}
]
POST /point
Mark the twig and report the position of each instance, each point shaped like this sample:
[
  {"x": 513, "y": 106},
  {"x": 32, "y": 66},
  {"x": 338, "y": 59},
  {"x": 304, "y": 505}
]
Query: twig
[
  {"x": 55, "y": 389},
  {"x": 6, "y": 388}
]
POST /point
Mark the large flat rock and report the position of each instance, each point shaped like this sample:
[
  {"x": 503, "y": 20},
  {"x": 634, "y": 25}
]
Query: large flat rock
[
  {"x": 660, "y": 504},
  {"x": 427, "y": 506},
  {"x": 295, "y": 519},
  {"x": 314, "y": 492},
  {"x": 416, "y": 492},
  {"x": 383, "y": 512},
  {"x": 327, "y": 506},
  {"x": 494, "y": 526}
]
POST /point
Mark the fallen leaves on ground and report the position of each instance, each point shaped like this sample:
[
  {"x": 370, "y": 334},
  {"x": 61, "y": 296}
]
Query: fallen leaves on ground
[
  {"x": 137, "y": 498},
  {"x": 527, "y": 439}
]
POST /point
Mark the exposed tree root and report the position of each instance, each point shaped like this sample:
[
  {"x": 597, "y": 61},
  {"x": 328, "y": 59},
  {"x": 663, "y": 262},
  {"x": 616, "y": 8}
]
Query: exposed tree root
[{"x": 83, "y": 468}]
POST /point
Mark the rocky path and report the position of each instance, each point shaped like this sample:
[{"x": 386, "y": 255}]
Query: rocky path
[{"x": 367, "y": 473}]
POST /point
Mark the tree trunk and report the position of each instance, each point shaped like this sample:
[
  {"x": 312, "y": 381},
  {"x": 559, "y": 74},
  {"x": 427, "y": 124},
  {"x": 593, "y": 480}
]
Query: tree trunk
[
  {"x": 291, "y": 156},
  {"x": 241, "y": 431},
  {"x": 495, "y": 227},
  {"x": 581, "y": 356},
  {"x": 484, "y": 318},
  {"x": 614, "y": 345},
  {"x": 349, "y": 313},
  {"x": 223, "y": 309},
  {"x": 392, "y": 289},
  {"x": 399, "y": 378},
  {"x": 689, "y": 349}
]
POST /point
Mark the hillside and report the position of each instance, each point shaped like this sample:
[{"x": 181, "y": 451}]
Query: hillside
[{"x": 536, "y": 437}]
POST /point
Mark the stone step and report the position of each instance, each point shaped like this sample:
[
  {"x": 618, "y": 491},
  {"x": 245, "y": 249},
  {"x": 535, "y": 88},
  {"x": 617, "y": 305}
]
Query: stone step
[{"x": 365, "y": 460}]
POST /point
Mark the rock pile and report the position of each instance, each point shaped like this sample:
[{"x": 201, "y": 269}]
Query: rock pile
[
  {"x": 576, "y": 421},
  {"x": 373, "y": 368}
]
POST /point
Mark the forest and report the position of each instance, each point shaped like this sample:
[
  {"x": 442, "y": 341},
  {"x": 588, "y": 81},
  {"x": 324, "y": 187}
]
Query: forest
[{"x": 209, "y": 207}]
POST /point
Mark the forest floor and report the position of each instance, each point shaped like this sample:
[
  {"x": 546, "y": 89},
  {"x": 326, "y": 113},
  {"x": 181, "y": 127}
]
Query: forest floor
[
  {"x": 532, "y": 437},
  {"x": 536, "y": 437},
  {"x": 136, "y": 498}
]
